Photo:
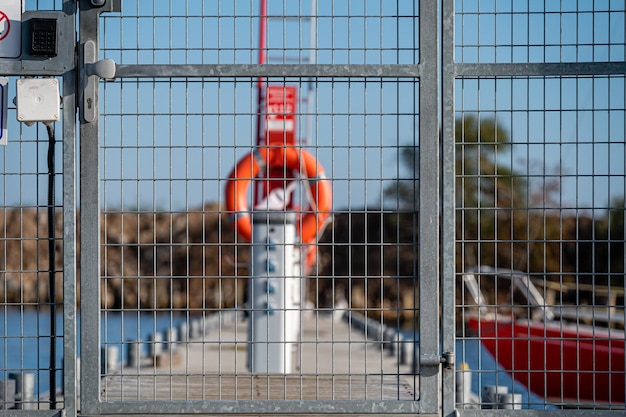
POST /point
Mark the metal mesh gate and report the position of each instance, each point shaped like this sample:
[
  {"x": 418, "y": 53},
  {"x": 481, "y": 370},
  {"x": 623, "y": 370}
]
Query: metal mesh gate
[
  {"x": 538, "y": 129},
  {"x": 201, "y": 131}
]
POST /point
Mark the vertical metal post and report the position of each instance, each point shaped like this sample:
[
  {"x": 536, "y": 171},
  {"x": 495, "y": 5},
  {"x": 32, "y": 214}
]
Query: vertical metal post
[
  {"x": 429, "y": 204},
  {"x": 448, "y": 234},
  {"x": 89, "y": 225},
  {"x": 274, "y": 293},
  {"x": 69, "y": 232}
]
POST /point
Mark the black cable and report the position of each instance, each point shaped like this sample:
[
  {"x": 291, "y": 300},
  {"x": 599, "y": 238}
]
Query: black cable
[{"x": 52, "y": 264}]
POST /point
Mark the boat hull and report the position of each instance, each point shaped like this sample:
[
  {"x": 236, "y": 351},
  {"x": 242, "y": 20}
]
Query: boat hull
[{"x": 561, "y": 362}]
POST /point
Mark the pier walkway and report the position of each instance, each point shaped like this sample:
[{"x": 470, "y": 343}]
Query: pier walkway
[{"x": 334, "y": 362}]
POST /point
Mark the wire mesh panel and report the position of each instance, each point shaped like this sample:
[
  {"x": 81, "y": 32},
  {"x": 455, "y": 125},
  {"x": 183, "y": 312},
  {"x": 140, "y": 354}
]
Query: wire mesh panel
[
  {"x": 31, "y": 324},
  {"x": 539, "y": 180},
  {"x": 541, "y": 184},
  {"x": 275, "y": 183},
  {"x": 293, "y": 32},
  {"x": 258, "y": 225},
  {"x": 539, "y": 32},
  {"x": 171, "y": 258},
  {"x": 37, "y": 224}
]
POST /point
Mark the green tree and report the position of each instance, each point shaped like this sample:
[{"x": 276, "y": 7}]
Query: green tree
[
  {"x": 608, "y": 246},
  {"x": 487, "y": 190},
  {"x": 481, "y": 180}
]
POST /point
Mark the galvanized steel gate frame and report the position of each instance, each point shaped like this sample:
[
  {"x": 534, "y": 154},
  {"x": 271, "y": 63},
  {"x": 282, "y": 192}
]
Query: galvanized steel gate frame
[{"x": 430, "y": 355}]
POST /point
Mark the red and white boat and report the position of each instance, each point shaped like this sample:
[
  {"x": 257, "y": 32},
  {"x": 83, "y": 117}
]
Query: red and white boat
[{"x": 566, "y": 362}]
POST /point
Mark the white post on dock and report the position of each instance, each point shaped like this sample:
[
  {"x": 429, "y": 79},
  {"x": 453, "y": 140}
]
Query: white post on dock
[
  {"x": 510, "y": 401},
  {"x": 134, "y": 354},
  {"x": 463, "y": 385},
  {"x": 274, "y": 293},
  {"x": 156, "y": 345},
  {"x": 170, "y": 337},
  {"x": 7, "y": 394},
  {"x": 490, "y": 396},
  {"x": 24, "y": 390},
  {"x": 109, "y": 359}
]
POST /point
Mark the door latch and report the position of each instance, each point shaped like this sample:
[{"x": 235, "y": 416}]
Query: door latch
[
  {"x": 447, "y": 360},
  {"x": 93, "y": 72}
]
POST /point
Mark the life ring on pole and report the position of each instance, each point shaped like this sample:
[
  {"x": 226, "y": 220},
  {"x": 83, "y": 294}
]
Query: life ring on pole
[{"x": 313, "y": 218}]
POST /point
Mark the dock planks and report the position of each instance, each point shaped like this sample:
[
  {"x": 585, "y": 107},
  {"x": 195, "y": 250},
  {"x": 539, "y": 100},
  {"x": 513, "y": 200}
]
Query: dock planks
[{"x": 336, "y": 362}]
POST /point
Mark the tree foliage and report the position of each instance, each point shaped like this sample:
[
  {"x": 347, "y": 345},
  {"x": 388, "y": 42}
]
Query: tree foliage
[{"x": 482, "y": 181}]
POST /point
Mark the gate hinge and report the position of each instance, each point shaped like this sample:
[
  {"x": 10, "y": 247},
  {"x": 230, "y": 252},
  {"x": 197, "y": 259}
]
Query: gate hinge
[{"x": 447, "y": 360}]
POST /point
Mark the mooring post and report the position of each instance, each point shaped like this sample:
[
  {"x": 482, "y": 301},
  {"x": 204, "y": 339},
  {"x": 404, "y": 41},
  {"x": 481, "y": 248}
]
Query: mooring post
[
  {"x": 109, "y": 359},
  {"x": 24, "y": 389},
  {"x": 171, "y": 339},
  {"x": 156, "y": 345},
  {"x": 134, "y": 354},
  {"x": 7, "y": 394},
  {"x": 510, "y": 401},
  {"x": 490, "y": 396}
]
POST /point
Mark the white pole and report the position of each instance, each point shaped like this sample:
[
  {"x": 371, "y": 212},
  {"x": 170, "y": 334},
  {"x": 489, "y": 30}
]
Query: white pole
[{"x": 274, "y": 293}]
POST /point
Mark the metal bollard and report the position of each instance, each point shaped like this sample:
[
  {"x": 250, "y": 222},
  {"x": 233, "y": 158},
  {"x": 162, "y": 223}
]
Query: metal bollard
[
  {"x": 394, "y": 345},
  {"x": 24, "y": 390},
  {"x": 389, "y": 339},
  {"x": 156, "y": 345},
  {"x": 196, "y": 329},
  {"x": 463, "y": 384},
  {"x": 109, "y": 359},
  {"x": 134, "y": 354},
  {"x": 489, "y": 398},
  {"x": 510, "y": 401},
  {"x": 183, "y": 333},
  {"x": 416, "y": 359},
  {"x": 171, "y": 338},
  {"x": 7, "y": 394},
  {"x": 406, "y": 351},
  {"x": 375, "y": 331}
]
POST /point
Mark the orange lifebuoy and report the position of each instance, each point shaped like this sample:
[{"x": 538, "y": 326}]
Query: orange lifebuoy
[{"x": 295, "y": 159}]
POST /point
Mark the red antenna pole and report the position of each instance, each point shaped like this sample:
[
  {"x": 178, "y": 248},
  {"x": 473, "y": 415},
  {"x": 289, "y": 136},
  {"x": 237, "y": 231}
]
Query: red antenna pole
[
  {"x": 262, "y": 55},
  {"x": 257, "y": 190}
]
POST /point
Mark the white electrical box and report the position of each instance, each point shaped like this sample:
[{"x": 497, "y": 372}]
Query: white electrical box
[
  {"x": 11, "y": 28},
  {"x": 4, "y": 97},
  {"x": 38, "y": 100}
]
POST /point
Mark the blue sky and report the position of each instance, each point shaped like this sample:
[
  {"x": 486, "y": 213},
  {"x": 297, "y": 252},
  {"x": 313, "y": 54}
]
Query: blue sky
[
  {"x": 355, "y": 126},
  {"x": 170, "y": 145}
]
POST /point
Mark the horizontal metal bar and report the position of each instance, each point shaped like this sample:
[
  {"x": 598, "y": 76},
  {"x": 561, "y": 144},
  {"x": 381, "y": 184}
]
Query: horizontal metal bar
[
  {"x": 267, "y": 70},
  {"x": 256, "y": 407},
  {"x": 30, "y": 68},
  {"x": 541, "y": 69},
  {"x": 33, "y": 413},
  {"x": 537, "y": 413}
]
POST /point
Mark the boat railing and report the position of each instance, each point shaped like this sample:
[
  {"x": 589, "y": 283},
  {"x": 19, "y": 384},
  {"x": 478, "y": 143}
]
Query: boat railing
[{"x": 522, "y": 282}]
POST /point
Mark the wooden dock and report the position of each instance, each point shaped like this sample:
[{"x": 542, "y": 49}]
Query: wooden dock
[{"x": 335, "y": 362}]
